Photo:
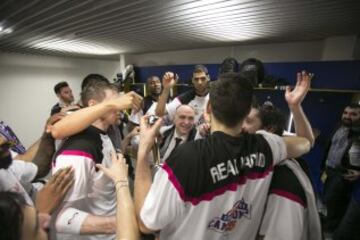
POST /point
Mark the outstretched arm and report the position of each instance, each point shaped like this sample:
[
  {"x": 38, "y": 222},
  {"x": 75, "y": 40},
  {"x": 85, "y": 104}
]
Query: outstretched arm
[
  {"x": 41, "y": 152},
  {"x": 169, "y": 80},
  {"x": 72, "y": 220},
  {"x": 294, "y": 98},
  {"x": 143, "y": 179},
  {"x": 126, "y": 225},
  {"x": 29, "y": 155},
  {"x": 296, "y": 146},
  {"x": 81, "y": 119}
]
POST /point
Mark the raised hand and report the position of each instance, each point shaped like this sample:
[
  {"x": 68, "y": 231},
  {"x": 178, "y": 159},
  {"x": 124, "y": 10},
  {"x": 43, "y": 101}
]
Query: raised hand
[
  {"x": 130, "y": 100},
  {"x": 296, "y": 96},
  {"x": 148, "y": 133},
  {"x": 54, "y": 191},
  {"x": 118, "y": 171},
  {"x": 169, "y": 80}
]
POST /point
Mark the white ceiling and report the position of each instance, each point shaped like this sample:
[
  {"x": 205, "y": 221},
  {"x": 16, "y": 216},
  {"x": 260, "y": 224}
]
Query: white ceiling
[{"x": 106, "y": 28}]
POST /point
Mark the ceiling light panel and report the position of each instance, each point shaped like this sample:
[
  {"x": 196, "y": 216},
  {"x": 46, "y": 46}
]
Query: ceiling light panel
[{"x": 74, "y": 46}]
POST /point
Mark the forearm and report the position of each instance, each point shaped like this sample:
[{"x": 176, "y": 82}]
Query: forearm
[
  {"x": 44, "y": 155},
  {"x": 302, "y": 124},
  {"x": 98, "y": 225},
  {"x": 71, "y": 220},
  {"x": 28, "y": 156},
  {"x": 80, "y": 120},
  {"x": 161, "y": 106},
  {"x": 42, "y": 206},
  {"x": 143, "y": 182},
  {"x": 296, "y": 146},
  {"x": 126, "y": 226}
]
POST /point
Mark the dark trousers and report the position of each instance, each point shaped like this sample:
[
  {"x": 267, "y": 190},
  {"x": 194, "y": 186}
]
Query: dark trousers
[
  {"x": 349, "y": 228},
  {"x": 337, "y": 197}
]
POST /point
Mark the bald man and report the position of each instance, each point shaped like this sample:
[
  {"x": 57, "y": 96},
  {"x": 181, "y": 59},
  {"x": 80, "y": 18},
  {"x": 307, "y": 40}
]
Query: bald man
[{"x": 183, "y": 130}]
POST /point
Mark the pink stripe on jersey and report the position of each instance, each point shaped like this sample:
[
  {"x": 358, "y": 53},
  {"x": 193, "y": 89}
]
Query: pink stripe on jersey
[
  {"x": 77, "y": 153},
  {"x": 289, "y": 196},
  {"x": 210, "y": 195},
  {"x": 174, "y": 180},
  {"x": 257, "y": 175}
]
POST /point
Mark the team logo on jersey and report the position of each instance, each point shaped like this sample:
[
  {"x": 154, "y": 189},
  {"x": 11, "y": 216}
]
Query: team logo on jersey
[{"x": 227, "y": 221}]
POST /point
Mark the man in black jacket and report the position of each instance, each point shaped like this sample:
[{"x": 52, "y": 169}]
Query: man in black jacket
[
  {"x": 338, "y": 187},
  {"x": 183, "y": 130}
]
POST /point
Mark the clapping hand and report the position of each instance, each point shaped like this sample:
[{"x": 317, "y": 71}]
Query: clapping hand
[{"x": 296, "y": 96}]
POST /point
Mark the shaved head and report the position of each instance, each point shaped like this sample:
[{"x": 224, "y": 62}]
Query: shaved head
[{"x": 184, "y": 119}]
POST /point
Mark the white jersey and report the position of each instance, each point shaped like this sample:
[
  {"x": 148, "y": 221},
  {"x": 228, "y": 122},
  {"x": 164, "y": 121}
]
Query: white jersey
[
  {"x": 291, "y": 211},
  {"x": 213, "y": 188},
  {"x": 18, "y": 178},
  {"x": 92, "y": 192}
]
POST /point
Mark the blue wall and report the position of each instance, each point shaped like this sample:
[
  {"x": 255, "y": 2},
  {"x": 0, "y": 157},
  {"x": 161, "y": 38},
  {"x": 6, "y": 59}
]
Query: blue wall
[{"x": 331, "y": 74}]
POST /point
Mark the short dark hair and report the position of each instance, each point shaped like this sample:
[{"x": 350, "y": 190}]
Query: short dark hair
[
  {"x": 92, "y": 78},
  {"x": 253, "y": 69},
  {"x": 95, "y": 90},
  {"x": 272, "y": 118},
  {"x": 230, "y": 98},
  {"x": 201, "y": 68},
  {"x": 229, "y": 65},
  {"x": 12, "y": 215},
  {"x": 59, "y": 86},
  {"x": 151, "y": 78},
  {"x": 5, "y": 155},
  {"x": 354, "y": 105}
]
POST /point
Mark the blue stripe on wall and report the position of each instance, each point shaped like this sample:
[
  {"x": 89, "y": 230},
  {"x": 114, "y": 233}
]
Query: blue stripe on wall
[{"x": 330, "y": 74}]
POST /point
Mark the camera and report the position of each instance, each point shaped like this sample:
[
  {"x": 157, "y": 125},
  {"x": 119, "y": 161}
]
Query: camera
[{"x": 152, "y": 119}]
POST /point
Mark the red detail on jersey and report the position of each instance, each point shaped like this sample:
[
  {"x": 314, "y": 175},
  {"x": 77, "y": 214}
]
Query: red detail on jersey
[
  {"x": 77, "y": 153},
  {"x": 210, "y": 195},
  {"x": 289, "y": 196}
]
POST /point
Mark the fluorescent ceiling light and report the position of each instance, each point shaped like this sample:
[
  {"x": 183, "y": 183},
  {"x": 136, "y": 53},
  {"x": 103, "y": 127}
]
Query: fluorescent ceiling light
[
  {"x": 5, "y": 30},
  {"x": 220, "y": 20},
  {"x": 74, "y": 46}
]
